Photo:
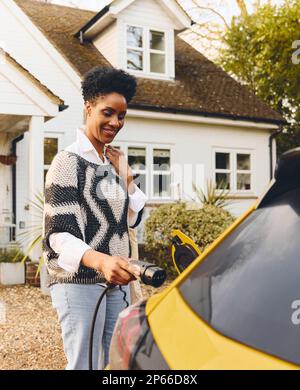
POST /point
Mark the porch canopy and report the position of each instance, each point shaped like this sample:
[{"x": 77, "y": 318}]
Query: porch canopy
[{"x": 25, "y": 104}]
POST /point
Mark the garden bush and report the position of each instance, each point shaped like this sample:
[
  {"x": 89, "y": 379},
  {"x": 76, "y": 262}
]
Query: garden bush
[{"x": 202, "y": 225}]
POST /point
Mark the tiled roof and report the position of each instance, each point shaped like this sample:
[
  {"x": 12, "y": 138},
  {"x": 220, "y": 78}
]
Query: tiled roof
[{"x": 200, "y": 87}]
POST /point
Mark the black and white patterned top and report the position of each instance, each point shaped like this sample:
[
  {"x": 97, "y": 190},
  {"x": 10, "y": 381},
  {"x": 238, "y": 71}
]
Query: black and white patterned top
[{"x": 90, "y": 201}]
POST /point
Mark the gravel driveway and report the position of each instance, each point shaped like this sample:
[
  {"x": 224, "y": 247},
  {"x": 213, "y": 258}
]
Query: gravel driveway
[{"x": 30, "y": 337}]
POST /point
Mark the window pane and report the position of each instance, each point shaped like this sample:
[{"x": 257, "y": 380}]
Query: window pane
[
  {"x": 222, "y": 161},
  {"x": 50, "y": 149},
  {"x": 140, "y": 181},
  {"x": 137, "y": 158},
  {"x": 134, "y": 36},
  {"x": 161, "y": 185},
  {"x": 223, "y": 181},
  {"x": 157, "y": 40},
  {"x": 243, "y": 161},
  {"x": 134, "y": 60},
  {"x": 243, "y": 181},
  {"x": 157, "y": 63},
  {"x": 161, "y": 159}
]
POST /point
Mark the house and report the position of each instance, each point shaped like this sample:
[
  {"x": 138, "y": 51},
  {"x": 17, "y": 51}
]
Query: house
[{"x": 188, "y": 122}]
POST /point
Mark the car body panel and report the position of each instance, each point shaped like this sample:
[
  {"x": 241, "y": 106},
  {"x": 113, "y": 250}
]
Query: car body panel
[
  {"x": 187, "y": 342},
  {"x": 169, "y": 317}
]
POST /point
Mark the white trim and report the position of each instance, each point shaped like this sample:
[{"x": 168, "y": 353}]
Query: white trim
[
  {"x": 145, "y": 49},
  {"x": 233, "y": 171},
  {"x": 182, "y": 21},
  {"x": 44, "y": 43},
  {"x": 149, "y": 172},
  {"x": 44, "y": 105},
  {"x": 134, "y": 113},
  {"x": 178, "y": 13},
  {"x": 59, "y": 137}
]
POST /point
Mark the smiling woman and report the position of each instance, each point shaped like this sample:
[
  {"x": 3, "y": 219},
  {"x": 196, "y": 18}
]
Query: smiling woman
[{"x": 90, "y": 200}]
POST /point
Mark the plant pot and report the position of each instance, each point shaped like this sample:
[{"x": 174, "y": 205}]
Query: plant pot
[
  {"x": 30, "y": 274},
  {"x": 12, "y": 273},
  {"x": 8, "y": 160}
]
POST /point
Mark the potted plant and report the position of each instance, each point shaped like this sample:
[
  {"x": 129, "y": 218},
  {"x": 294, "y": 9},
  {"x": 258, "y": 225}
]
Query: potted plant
[{"x": 12, "y": 269}]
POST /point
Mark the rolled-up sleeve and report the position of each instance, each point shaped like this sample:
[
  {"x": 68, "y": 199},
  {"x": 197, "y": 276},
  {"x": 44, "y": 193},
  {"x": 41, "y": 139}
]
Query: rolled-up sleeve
[
  {"x": 70, "y": 250},
  {"x": 137, "y": 202}
]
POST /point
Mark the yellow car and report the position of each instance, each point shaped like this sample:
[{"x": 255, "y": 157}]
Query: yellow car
[{"x": 237, "y": 306}]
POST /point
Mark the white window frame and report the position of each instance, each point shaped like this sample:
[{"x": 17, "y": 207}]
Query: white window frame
[
  {"x": 160, "y": 172},
  {"x": 149, "y": 172},
  {"x": 59, "y": 137},
  {"x": 146, "y": 51},
  {"x": 233, "y": 171}
]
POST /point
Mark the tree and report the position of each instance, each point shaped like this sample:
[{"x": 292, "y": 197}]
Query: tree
[
  {"x": 260, "y": 51},
  {"x": 212, "y": 19}
]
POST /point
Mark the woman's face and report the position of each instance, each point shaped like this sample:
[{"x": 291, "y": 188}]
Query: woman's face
[{"x": 105, "y": 117}]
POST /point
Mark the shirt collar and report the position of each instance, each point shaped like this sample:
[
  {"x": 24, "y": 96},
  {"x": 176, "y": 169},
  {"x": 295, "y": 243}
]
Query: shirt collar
[
  {"x": 83, "y": 141},
  {"x": 86, "y": 146}
]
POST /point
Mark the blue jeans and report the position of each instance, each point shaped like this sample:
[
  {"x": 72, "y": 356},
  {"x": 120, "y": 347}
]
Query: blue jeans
[{"x": 75, "y": 305}]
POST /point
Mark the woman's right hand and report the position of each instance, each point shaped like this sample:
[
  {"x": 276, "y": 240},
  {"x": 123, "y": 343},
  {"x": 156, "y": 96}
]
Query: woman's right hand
[{"x": 116, "y": 269}]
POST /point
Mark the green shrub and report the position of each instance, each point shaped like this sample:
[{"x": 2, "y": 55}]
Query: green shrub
[
  {"x": 11, "y": 256},
  {"x": 202, "y": 225}
]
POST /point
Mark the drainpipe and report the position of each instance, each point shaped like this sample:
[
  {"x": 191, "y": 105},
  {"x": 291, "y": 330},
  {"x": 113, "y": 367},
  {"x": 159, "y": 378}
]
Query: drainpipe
[
  {"x": 14, "y": 183},
  {"x": 273, "y": 135}
]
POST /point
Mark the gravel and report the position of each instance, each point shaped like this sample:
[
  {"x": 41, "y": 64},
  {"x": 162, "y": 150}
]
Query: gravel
[{"x": 30, "y": 337}]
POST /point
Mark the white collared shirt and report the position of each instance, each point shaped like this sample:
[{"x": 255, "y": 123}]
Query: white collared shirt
[{"x": 70, "y": 248}]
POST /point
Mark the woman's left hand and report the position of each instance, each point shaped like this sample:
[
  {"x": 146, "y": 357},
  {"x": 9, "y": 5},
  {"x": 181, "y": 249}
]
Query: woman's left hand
[{"x": 120, "y": 163}]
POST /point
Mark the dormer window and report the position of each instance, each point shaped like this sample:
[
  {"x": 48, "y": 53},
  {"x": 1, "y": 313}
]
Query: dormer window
[{"x": 146, "y": 50}]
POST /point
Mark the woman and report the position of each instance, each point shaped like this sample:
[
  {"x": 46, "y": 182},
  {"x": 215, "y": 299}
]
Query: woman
[{"x": 90, "y": 199}]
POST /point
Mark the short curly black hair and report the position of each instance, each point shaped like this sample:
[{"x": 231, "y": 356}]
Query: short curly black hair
[{"x": 101, "y": 81}]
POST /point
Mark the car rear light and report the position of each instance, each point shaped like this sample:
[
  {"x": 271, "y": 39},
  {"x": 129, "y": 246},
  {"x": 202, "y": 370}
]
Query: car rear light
[{"x": 129, "y": 331}]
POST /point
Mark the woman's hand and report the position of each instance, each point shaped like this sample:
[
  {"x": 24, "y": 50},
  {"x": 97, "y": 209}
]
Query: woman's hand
[
  {"x": 116, "y": 269},
  {"x": 120, "y": 163}
]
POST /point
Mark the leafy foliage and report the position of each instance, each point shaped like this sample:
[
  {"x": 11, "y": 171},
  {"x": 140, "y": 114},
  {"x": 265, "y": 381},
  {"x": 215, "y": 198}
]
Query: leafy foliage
[
  {"x": 12, "y": 256},
  {"x": 203, "y": 225},
  {"x": 212, "y": 196},
  {"x": 259, "y": 52}
]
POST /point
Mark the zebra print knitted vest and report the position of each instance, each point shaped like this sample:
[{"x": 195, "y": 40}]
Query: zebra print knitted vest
[{"x": 90, "y": 201}]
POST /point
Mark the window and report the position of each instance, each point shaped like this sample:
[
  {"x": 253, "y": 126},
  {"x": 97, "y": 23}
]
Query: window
[
  {"x": 137, "y": 162},
  {"x": 151, "y": 166},
  {"x": 161, "y": 173},
  {"x": 223, "y": 170},
  {"x": 146, "y": 50},
  {"x": 51, "y": 147},
  {"x": 233, "y": 171},
  {"x": 135, "y": 48}
]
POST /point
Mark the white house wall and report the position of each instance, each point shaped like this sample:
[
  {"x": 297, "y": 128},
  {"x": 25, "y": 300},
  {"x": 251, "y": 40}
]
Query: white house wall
[
  {"x": 148, "y": 13},
  {"x": 194, "y": 144},
  {"x": 107, "y": 43},
  {"x": 24, "y": 42}
]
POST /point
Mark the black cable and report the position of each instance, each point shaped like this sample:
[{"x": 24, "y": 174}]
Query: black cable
[
  {"x": 124, "y": 297},
  {"x": 93, "y": 327}
]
